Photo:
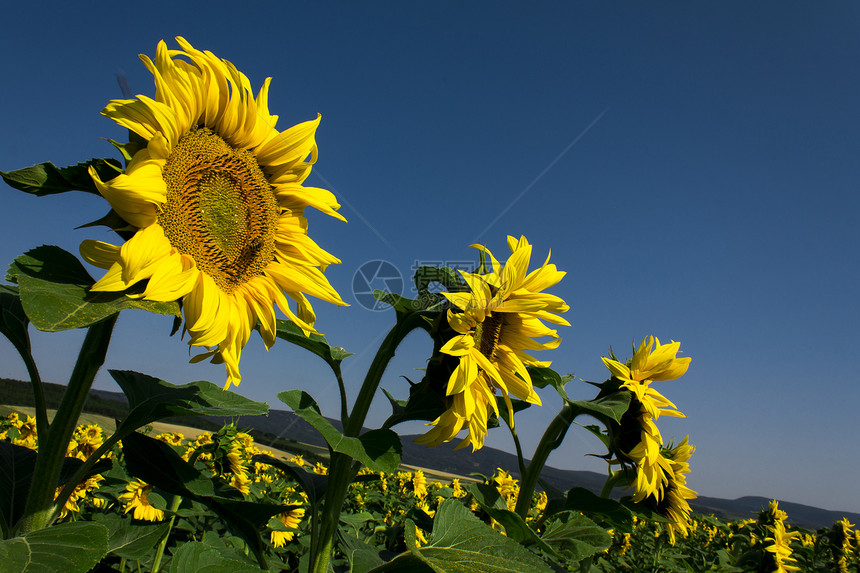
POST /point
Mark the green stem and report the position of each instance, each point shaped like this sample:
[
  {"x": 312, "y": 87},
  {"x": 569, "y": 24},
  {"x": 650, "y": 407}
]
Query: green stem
[
  {"x": 342, "y": 470},
  {"x": 159, "y": 553},
  {"x": 52, "y": 451},
  {"x": 380, "y": 362},
  {"x": 344, "y": 410},
  {"x": 551, "y": 439},
  {"x": 39, "y": 403},
  {"x": 521, "y": 463}
]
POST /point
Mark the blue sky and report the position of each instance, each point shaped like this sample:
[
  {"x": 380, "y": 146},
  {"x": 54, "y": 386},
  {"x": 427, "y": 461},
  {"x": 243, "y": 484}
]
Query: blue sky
[{"x": 692, "y": 166}]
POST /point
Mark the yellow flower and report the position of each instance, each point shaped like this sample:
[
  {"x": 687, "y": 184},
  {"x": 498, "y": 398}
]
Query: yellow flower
[
  {"x": 290, "y": 519},
  {"x": 136, "y": 497},
  {"x": 498, "y": 320},
  {"x": 780, "y": 548},
  {"x": 27, "y": 434},
  {"x": 320, "y": 469},
  {"x": 675, "y": 494},
  {"x": 217, "y": 206},
  {"x": 649, "y": 365},
  {"x": 419, "y": 484}
]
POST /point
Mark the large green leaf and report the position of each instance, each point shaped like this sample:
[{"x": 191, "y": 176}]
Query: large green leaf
[
  {"x": 461, "y": 543},
  {"x": 48, "y": 179},
  {"x": 54, "y": 290},
  {"x": 575, "y": 537},
  {"x": 543, "y": 377},
  {"x": 584, "y": 501},
  {"x": 151, "y": 399},
  {"x": 379, "y": 450},
  {"x": 201, "y": 558},
  {"x": 129, "y": 539},
  {"x": 611, "y": 406},
  {"x": 489, "y": 499},
  {"x": 362, "y": 557},
  {"x": 333, "y": 355},
  {"x": 67, "y": 548}
]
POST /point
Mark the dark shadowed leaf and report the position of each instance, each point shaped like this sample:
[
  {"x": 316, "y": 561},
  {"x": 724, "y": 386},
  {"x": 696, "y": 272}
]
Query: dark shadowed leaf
[{"x": 202, "y": 558}]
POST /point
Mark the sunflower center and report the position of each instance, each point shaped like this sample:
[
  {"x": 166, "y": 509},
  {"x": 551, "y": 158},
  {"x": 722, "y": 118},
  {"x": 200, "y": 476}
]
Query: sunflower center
[
  {"x": 487, "y": 335},
  {"x": 220, "y": 209}
]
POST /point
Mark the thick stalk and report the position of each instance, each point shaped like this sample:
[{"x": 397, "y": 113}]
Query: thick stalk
[
  {"x": 49, "y": 461},
  {"x": 551, "y": 439},
  {"x": 39, "y": 403},
  {"x": 342, "y": 470}
]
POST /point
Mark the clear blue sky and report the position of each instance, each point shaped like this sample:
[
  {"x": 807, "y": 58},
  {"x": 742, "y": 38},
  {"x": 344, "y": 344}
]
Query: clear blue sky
[{"x": 710, "y": 195}]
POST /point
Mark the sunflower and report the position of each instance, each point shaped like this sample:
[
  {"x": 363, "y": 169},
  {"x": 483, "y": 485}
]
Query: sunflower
[
  {"x": 217, "y": 206},
  {"x": 780, "y": 548},
  {"x": 136, "y": 497},
  {"x": 674, "y": 505},
  {"x": 496, "y": 322},
  {"x": 290, "y": 519}
]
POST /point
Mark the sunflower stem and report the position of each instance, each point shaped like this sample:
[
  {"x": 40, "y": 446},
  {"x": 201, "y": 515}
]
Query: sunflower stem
[
  {"x": 49, "y": 462},
  {"x": 520, "y": 460},
  {"x": 551, "y": 439},
  {"x": 39, "y": 403},
  {"x": 159, "y": 553},
  {"x": 343, "y": 470}
]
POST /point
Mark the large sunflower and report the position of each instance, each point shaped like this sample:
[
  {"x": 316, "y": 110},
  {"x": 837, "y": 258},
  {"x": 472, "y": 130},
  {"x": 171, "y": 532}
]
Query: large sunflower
[
  {"x": 496, "y": 322},
  {"x": 217, "y": 203}
]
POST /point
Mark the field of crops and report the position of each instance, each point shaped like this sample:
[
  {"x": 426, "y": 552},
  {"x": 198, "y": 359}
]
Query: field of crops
[{"x": 154, "y": 530}]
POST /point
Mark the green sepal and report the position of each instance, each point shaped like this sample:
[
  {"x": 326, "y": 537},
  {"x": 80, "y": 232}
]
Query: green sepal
[
  {"x": 54, "y": 290},
  {"x": 47, "y": 179},
  {"x": 380, "y": 450}
]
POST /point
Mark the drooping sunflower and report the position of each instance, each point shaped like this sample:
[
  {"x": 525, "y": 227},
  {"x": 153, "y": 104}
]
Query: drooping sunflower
[
  {"x": 217, "y": 205},
  {"x": 497, "y": 321},
  {"x": 674, "y": 504},
  {"x": 290, "y": 519}
]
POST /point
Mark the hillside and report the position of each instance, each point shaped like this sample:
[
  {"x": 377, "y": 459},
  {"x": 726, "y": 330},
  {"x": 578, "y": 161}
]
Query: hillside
[{"x": 286, "y": 431}]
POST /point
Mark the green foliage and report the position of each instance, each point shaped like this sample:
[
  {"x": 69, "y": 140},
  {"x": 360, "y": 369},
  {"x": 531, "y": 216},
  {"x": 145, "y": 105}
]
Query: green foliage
[
  {"x": 70, "y": 548},
  {"x": 48, "y": 179},
  {"x": 54, "y": 290},
  {"x": 379, "y": 450}
]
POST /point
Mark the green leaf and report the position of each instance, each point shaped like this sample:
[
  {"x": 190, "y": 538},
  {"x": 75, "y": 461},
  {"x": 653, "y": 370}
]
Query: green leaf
[
  {"x": 151, "y": 399},
  {"x": 16, "y": 473},
  {"x": 13, "y": 319},
  {"x": 68, "y": 547},
  {"x": 446, "y": 276},
  {"x": 333, "y": 355},
  {"x": 48, "y": 179},
  {"x": 575, "y": 537},
  {"x": 54, "y": 290},
  {"x": 611, "y": 407},
  {"x": 543, "y": 377},
  {"x": 516, "y": 528},
  {"x": 128, "y": 539},
  {"x": 158, "y": 464},
  {"x": 584, "y": 501},
  {"x": 461, "y": 543},
  {"x": 362, "y": 557},
  {"x": 201, "y": 558},
  {"x": 379, "y": 450}
]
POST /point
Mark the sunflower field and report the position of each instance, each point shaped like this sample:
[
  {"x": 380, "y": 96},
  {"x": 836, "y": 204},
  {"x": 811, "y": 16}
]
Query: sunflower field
[
  {"x": 209, "y": 214},
  {"x": 152, "y": 529}
]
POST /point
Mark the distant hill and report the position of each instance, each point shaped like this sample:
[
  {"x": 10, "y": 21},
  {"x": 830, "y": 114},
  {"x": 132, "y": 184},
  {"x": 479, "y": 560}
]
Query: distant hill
[{"x": 286, "y": 431}]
